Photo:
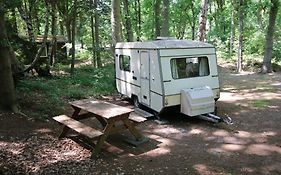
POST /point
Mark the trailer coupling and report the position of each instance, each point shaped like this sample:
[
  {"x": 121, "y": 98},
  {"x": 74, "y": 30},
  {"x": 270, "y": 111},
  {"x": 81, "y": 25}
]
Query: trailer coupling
[{"x": 216, "y": 119}]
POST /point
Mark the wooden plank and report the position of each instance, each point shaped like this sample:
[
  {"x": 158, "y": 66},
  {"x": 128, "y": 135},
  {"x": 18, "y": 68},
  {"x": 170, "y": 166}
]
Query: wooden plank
[
  {"x": 143, "y": 113},
  {"x": 101, "y": 108},
  {"x": 136, "y": 117},
  {"x": 78, "y": 126}
]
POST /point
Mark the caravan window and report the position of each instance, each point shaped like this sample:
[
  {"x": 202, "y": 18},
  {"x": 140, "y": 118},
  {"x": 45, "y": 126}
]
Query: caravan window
[
  {"x": 124, "y": 62},
  {"x": 189, "y": 67}
]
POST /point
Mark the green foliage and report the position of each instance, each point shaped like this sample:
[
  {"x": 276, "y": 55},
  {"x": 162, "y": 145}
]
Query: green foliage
[
  {"x": 277, "y": 51},
  {"x": 260, "y": 103},
  {"x": 84, "y": 55},
  {"x": 255, "y": 44},
  {"x": 49, "y": 96}
]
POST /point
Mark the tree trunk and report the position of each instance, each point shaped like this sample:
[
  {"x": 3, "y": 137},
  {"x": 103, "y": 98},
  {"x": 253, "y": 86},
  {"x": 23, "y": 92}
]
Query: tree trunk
[
  {"x": 259, "y": 16},
  {"x": 115, "y": 22},
  {"x": 97, "y": 38},
  {"x": 157, "y": 17},
  {"x": 203, "y": 20},
  {"x": 28, "y": 23},
  {"x": 267, "y": 67},
  {"x": 93, "y": 35},
  {"x": 232, "y": 30},
  {"x": 54, "y": 34},
  {"x": 39, "y": 52},
  {"x": 14, "y": 21},
  {"x": 166, "y": 16},
  {"x": 73, "y": 37},
  {"x": 138, "y": 15},
  {"x": 210, "y": 21},
  {"x": 128, "y": 23},
  {"x": 7, "y": 90},
  {"x": 193, "y": 21},
  {"x": 68, "y": 31},
  {"x": 240, "y": 39},
  {"x": 61, "y": 28}
]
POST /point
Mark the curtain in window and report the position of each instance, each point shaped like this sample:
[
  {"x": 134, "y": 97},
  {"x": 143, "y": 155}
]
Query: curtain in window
[
  {"x": 203, "y": 67},
  {"x": 175, "y": 73}
]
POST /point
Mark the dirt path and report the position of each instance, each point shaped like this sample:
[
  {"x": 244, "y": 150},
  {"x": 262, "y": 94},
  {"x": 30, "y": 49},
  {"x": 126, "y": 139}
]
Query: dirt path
[{"x": 183, "y": 146}]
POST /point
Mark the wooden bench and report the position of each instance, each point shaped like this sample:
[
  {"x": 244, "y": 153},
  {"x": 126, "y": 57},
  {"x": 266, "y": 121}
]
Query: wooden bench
[
  {"x": 136, "y": 118},
  {"x": 108, "y": 114},
  {"x": 77, "y": 126}
]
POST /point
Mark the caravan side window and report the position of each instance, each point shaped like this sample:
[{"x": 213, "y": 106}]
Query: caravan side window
[
  {"x": 124, "y": 62},
  {"x": 190, "y": 67}
]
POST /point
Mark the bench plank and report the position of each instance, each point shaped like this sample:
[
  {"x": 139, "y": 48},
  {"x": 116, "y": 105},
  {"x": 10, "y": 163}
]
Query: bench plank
[
  {"x": 135, "y": 117},
  {"x": 78, "y": 126},
  {"x": 143, "y": 113},
  {"x": 101, "y": 108}
]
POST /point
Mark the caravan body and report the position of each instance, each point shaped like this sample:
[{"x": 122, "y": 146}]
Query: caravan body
[{"x": 165, "y": 73}]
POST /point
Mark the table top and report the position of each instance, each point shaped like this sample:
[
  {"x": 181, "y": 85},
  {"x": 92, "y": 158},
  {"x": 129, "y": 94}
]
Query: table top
[{"x": 101, "y": 108}]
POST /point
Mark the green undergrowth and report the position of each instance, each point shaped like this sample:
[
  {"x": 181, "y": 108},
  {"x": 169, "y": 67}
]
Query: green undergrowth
[
  {"x": 46, "y": 97},
  {"x": 251, "y": 62},
  {"x": 262, "y": 103}
]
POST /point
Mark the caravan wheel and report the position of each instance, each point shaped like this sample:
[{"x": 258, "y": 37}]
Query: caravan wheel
[{"x": 136, "y": 102}]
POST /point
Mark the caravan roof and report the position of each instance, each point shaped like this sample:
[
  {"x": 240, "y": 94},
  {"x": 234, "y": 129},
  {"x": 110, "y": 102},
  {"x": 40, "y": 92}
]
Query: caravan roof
[{"x": 164, "y": 44}]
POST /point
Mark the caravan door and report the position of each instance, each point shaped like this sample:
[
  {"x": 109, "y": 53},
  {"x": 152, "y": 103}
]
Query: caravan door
[{"x": 145, "y": 78}]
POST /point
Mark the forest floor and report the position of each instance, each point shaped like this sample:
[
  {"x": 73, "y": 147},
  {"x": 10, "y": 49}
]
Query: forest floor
[{"x": 252, "y": 145}]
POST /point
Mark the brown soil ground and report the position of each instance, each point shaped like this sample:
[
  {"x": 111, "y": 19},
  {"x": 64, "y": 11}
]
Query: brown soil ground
[{"x": 252, "y": 145}]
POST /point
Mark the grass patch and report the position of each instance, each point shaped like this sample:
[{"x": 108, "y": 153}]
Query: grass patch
[
  {"x": 260, "y": 103},
  {"x": 47, "y": 97}
]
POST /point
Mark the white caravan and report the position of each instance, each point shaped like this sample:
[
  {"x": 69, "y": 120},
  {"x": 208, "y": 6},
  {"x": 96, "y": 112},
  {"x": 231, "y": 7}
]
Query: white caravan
[{"x": 169, "y": 73}]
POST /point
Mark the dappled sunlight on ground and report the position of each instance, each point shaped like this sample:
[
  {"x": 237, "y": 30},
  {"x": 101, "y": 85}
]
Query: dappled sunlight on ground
[{"x": 252, "y": 145}]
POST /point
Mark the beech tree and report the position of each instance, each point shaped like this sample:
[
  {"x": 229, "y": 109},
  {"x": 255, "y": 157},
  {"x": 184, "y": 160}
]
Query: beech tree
[
  {"x": 7, "y": 90},
  {"x": 267, "y": 66},
  {"x": 203, "y": 20},
  {"x": 240, "y": 40},
  {"x": 115, "y": 22}
]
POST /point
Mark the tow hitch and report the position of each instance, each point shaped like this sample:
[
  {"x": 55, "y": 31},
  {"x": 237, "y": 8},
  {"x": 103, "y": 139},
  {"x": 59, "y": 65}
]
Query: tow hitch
[{"x": 216, "y": 119}]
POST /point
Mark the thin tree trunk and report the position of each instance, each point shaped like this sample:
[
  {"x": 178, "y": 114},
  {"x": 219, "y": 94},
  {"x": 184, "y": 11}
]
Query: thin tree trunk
[
  {"x": 68, "y": 30},
  {"x": 14, "y": 21},
  {"x": 128, "y": 23},
  {"x": 166, "y": 16},
  {"x": 267, "y": 67},
  {"x": 7, "y": 90},
  {"x": 232, "y": 30},
  {"x": 61, "y": 28},
  {"x": 210, "y": 21},
  {"x": 138, "y": 14},
  {"x": 39, "y": 52},
  {"x": 157, "y": 17},
  {"x": 54, "y": 34},
  {"x": 73, "y": 37},
  {"x": 240, "y": 39},
  {"x": 97, "y": 39},
  {"x": 193, "y": 21},
  {"x": 259, "y": 16},
  {"x": 203, "y": 20},
  {"x": 115, "y": 22},
  {"x": 93, "y": 35},
  {"x": 28, "y": 22}
]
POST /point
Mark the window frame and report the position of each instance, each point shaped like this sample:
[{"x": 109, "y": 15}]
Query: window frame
[
  {"x": 122, "y": 63},
  {"x": 189, "y": 57}
]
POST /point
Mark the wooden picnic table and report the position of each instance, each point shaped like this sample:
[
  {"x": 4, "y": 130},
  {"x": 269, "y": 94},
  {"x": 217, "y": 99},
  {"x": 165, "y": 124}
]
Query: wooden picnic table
[{"x": 107, "y": 114}]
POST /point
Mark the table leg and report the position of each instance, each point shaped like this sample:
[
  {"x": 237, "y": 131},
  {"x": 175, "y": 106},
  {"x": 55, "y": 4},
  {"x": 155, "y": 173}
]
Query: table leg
[
  {"x": 106, "y": 132},
  {"x": 132, "y": 129},
  {"x": 101, "y": 120},
  {"x": 65, "y": 128}
]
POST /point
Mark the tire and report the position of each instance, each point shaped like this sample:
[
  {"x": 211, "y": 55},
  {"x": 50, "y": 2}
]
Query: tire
[{"x": 136, "y": 102}]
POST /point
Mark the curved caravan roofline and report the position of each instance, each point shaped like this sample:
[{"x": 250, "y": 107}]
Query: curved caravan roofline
[{"x": 163, "y": 44}]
